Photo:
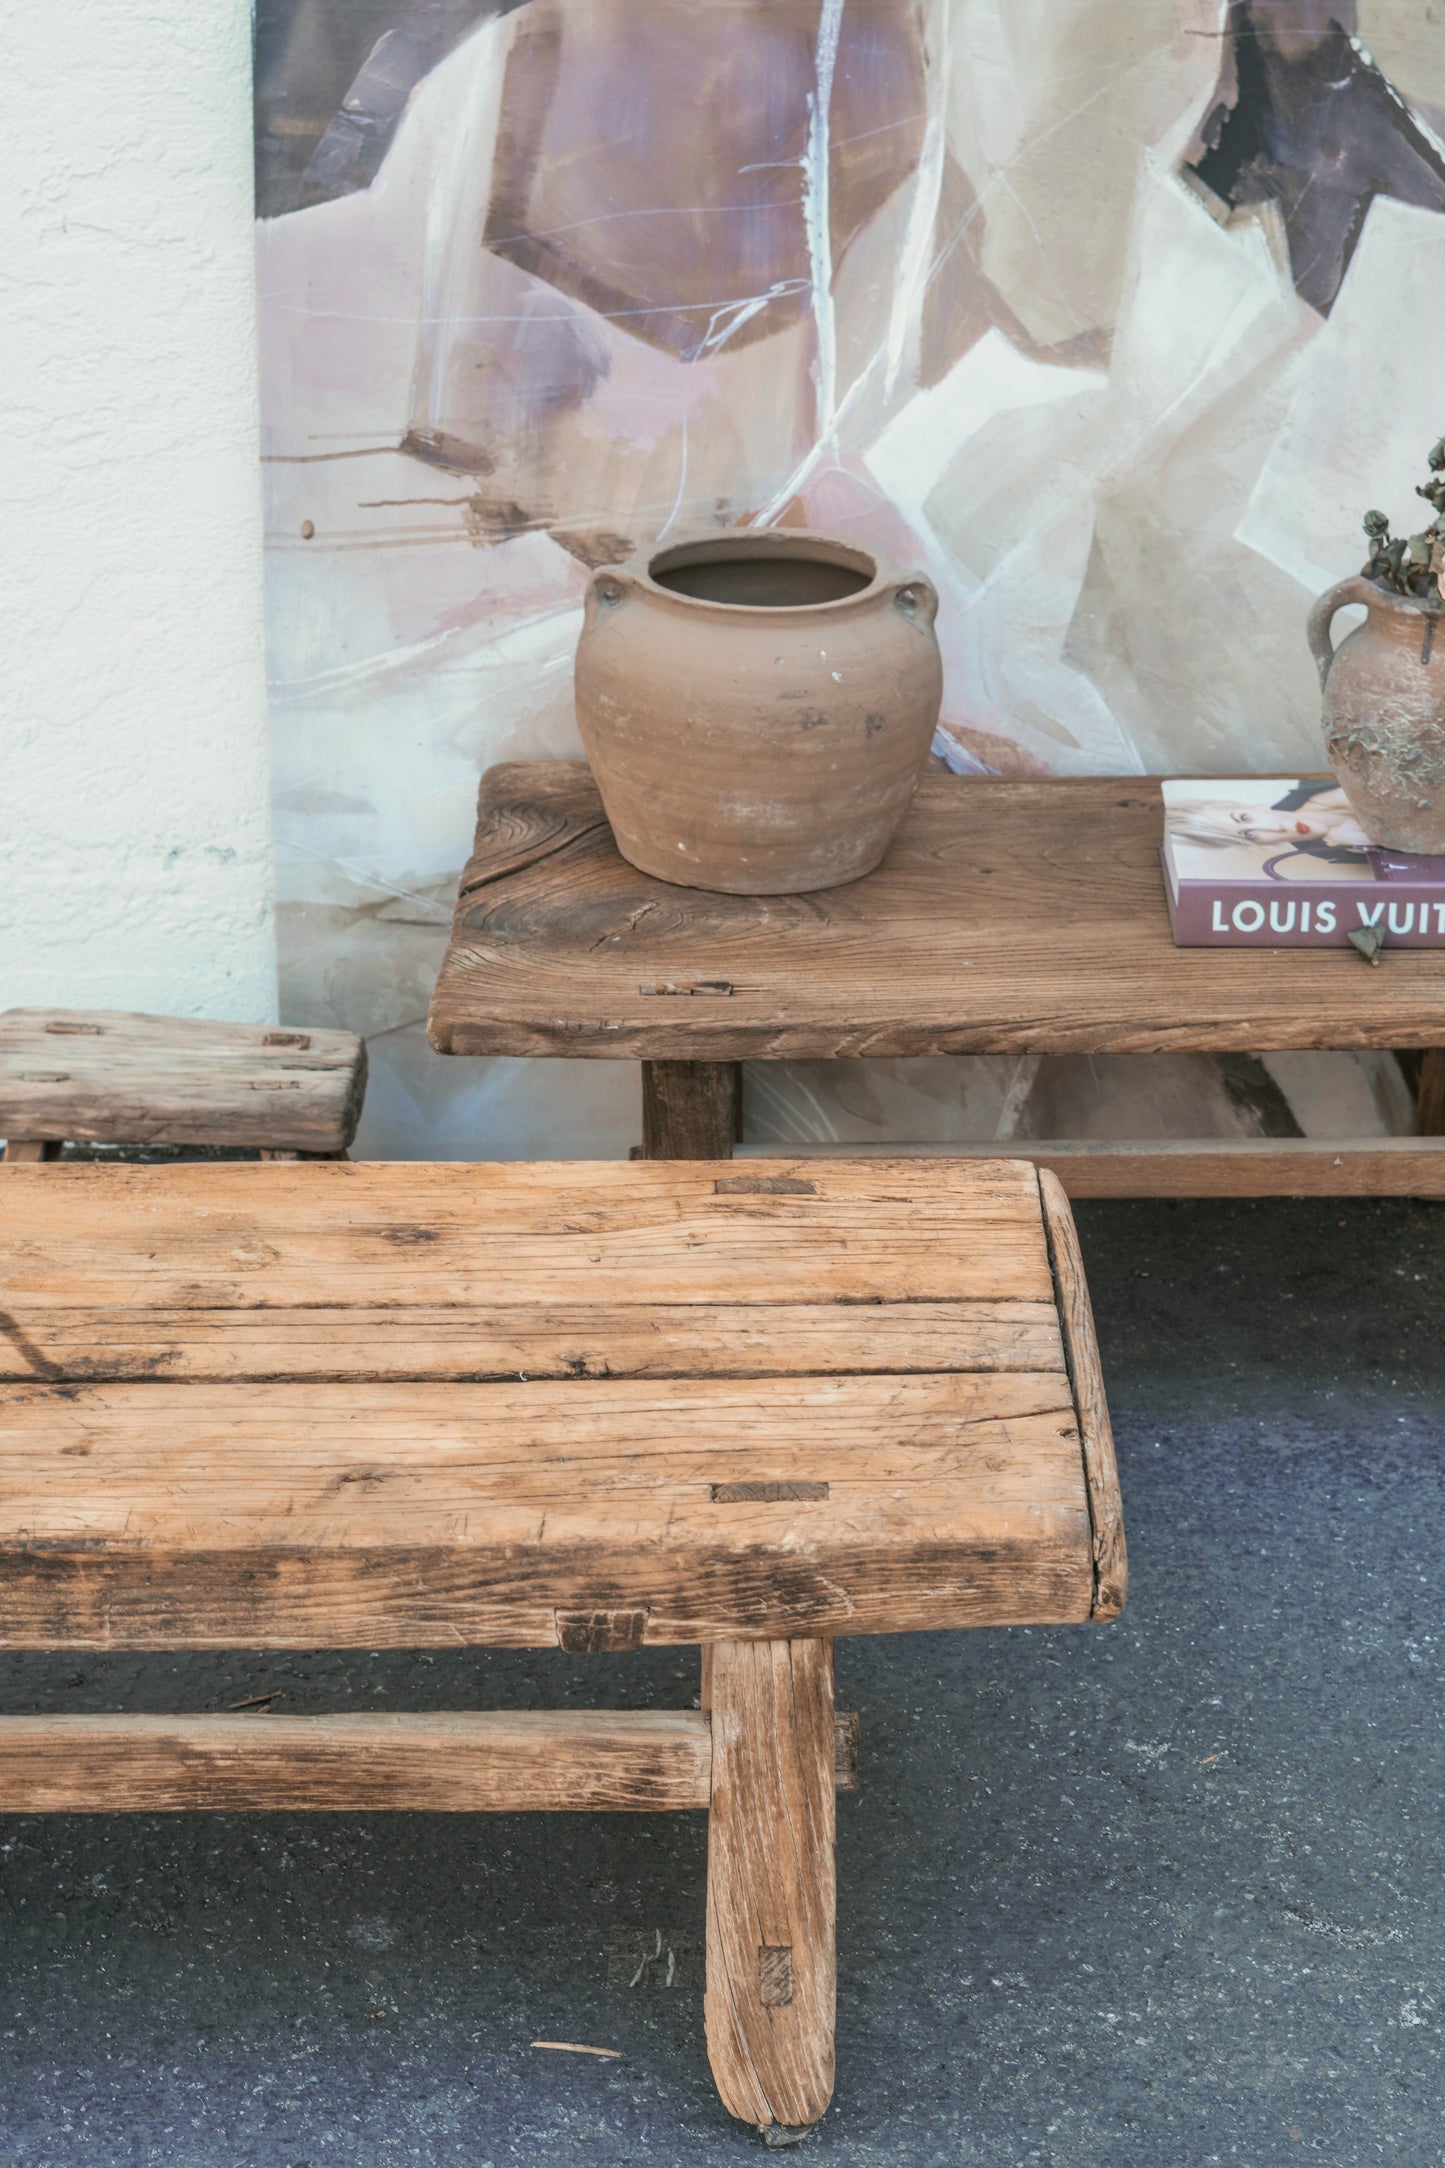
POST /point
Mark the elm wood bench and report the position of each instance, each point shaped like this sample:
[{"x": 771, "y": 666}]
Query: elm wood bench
[
  {"x": 1010, "y": 916},
  {"x": 587, "y": 1406},
  {"x": 105, "y": 1076}
]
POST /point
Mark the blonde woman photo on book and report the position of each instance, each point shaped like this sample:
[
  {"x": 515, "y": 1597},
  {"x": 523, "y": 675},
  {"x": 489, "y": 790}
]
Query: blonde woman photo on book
[{"x": 1314, "y": 819}]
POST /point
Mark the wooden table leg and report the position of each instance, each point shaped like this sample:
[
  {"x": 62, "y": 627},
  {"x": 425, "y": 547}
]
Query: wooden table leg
[
  {"x": 1430, "y": 1094},
  {"x": 771, "y": 1986},
  {"x": 691, "y": 1109}
]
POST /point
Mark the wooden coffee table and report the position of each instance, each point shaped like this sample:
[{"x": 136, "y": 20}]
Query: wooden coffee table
[
  {"x": 1008, "y": 918},
  {"x": 578, "y": 1407}
]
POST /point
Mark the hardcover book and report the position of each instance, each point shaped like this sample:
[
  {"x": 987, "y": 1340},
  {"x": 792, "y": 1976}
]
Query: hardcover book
[{"x": 1260, "y": 863}]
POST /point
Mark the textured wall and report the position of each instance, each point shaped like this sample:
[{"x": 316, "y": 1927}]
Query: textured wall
[{"x": 133, "y": 776}]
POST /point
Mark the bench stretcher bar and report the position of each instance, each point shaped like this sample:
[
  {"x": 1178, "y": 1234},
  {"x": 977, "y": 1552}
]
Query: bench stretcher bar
[{"x": 476, "y": 1762}]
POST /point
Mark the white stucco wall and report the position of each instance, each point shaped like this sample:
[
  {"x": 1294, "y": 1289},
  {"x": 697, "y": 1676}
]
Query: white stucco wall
[{"x": 135, "y": 852}]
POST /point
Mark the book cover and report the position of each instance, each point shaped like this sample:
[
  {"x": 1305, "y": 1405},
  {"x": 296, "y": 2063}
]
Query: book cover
[{"x": 1255, "y": 862}]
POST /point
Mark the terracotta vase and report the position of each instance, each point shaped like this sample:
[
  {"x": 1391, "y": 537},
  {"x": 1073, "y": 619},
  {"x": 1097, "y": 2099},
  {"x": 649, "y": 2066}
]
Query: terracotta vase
[
  {"x": 1384, "y": 713},
  {"x": 757, "y": 707}
]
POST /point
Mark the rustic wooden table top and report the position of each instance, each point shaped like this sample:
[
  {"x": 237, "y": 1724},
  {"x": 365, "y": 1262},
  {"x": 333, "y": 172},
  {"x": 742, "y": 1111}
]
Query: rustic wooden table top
[
  {"x": 1008, "y": 917},
  {"x": 584, "y": 1405}
]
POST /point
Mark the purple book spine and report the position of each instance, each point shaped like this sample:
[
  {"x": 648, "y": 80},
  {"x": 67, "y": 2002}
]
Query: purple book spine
[{"x": 1255, "y": 914}]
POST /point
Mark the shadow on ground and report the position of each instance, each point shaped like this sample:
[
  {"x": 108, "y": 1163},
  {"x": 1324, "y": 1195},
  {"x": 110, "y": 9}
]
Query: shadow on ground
[{"x": 1164, "y": 1893}]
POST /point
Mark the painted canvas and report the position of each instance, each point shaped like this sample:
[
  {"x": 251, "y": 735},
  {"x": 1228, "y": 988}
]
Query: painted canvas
[{"x": 1111, "y": 315}]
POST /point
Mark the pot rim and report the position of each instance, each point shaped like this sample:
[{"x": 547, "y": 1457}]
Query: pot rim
[
  {"x": 1388, "y": 599},
  {"x": 810, "y": 543}
]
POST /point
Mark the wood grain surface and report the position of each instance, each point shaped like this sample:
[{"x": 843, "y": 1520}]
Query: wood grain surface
[
  {"x": 771, "y": 1979},
  {"x": 1204, "y": 1166},
  {"x": 586, "y": 1406},
  {"x": 1010, "y": 916},
  {"x": 504, "y": 1762},
  {"x": 475, "y": 1343},
  {"x": 345, "y": 1515},
  {"x": 281, "y": 1236},
  {"x": 691, "y": 1109},
  {"x": 1081, "y": 1344},
  {"x": 105, "y": 1076}
]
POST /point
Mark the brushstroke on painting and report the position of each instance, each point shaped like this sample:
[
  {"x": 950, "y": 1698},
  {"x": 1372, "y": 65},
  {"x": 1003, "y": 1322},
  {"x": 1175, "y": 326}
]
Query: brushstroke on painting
[{"x": 1077, "y": 304}]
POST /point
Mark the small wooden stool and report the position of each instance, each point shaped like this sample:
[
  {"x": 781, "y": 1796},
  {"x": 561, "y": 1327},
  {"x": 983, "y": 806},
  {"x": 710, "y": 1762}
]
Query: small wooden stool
[
  {"x": 586, "y": 1406},
  {"x": 103, "y": 1076}
]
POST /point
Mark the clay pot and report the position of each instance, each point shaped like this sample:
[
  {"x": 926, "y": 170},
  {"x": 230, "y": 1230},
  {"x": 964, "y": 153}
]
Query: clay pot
[
  {"x": 1384, "y": 713},
  {"x": 757, "y": 707}
]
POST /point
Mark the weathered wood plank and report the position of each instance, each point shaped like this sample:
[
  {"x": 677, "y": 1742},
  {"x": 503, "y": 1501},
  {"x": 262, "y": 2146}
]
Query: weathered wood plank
[
  {"x": 107, "y": 1076},
  {"x": 1296, "y": 1167},
  {"x": 63, "y": 1597},
  {"x": 1086, "y": 1375},
  {"x": 533, "y": 810},
  {"x": 771, "y": 1979},
  {"x": 489, "y": 1762},
  {"x": 345, "y": 1516},
  {"x": 1202, "y": 1167},
  {"x": 605, "y": 1459},
  {"x": 631, "y": 1460},
  {"x": 503, "y": 1762},
  {"x": 1010, "y": 916},
  {"x": 581, "y": 1340},
  {"x": 280, "y": 1236},
  {"x": 588, "y": 1509}
]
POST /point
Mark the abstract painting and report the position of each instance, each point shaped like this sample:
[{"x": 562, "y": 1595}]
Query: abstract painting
[{"x": 1111, "y": 315}]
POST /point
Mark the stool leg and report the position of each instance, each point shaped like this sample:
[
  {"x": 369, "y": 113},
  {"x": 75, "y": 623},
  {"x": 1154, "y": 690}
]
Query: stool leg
[
  {"x": 1430, "y": 1094},
  {"x": 771, "y": 1983},
  {"x": 691, "y": 1109}
]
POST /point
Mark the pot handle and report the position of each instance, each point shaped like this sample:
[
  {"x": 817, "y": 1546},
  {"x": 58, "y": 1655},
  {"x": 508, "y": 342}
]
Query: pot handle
[
  {"x": 1322, "y": 617},
  {"x": 916, "y": 597},
  {"x": 608, "y": 587}
]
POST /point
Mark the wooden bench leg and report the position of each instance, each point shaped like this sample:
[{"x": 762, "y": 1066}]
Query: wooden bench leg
[
  {"x": 770, "y": 1881},
  {"x": 1430, "y": 1094},
  {"x": 691, "y": 1109},
  {"x": 29, "y": 1151}
]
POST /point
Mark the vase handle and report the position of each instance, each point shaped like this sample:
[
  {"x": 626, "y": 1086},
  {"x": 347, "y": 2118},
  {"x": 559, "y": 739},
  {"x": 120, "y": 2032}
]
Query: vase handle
[
  {"x": 1322, "y": 617},
  {"x": 917, "y": 597},
  {"x": 608, "y": 586}
]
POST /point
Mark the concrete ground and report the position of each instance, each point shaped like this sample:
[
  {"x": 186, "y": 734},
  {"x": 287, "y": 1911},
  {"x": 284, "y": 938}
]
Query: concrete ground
[{"x": 1162, "y": 1893}]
